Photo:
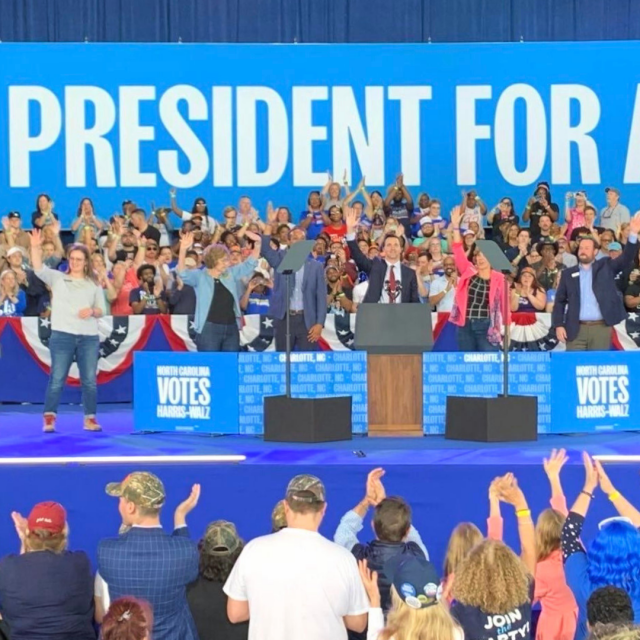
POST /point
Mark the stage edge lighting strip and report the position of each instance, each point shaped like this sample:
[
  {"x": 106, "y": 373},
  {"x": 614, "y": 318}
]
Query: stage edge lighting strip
[
  {"x": 616, "y": 458},
  {"x": 120, "y": 459}
]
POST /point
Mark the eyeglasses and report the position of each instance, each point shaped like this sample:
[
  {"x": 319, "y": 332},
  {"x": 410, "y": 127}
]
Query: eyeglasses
[{"x": 151, "y": 247}]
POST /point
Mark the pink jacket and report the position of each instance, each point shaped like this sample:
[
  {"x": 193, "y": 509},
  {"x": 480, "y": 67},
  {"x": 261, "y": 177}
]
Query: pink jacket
[{"x": 467, "y": 270}]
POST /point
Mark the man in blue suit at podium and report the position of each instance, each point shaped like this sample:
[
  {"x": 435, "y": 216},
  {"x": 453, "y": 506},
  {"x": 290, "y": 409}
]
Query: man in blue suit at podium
[
  {"x": 390, "y": 281},
  {"x": 308, "y": 308}
]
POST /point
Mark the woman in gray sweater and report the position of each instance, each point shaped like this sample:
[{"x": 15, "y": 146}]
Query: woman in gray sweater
[{"x": 77, "y": 301}]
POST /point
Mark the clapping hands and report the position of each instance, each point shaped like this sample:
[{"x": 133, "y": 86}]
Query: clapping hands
[{"x": 375, "y": 489}]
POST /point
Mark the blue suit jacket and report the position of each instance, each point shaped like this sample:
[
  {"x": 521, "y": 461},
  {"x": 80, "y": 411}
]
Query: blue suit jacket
[
  {"x": 150, "y": 564},
  {"x": 314, "y": 288},
  {"x": 566, "y": 308}
]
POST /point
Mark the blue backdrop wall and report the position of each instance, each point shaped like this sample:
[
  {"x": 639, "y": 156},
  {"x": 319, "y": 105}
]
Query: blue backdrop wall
[
  {"x": 317, "y": 20},
  {"x": 126, "y": 121}
]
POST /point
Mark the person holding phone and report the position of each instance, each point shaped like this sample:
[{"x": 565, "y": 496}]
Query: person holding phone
[{"x": 539, "y": 203}]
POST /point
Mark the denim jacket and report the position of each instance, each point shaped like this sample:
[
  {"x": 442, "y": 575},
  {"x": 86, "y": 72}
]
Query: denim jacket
[{"x": 204, "y": 285}]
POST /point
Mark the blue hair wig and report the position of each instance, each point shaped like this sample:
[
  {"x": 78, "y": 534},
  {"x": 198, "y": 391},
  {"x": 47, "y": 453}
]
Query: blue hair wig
[{"x": 614, "y": 559}]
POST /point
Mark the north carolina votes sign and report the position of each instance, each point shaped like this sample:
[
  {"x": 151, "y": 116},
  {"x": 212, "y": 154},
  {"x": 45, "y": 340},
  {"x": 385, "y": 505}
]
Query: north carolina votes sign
[
  {"x": 190, "y": 392},
  {"x": 597, "y": 391},
  {"x": 183, "y": 392},
  {"x": 116, "y": 121}
]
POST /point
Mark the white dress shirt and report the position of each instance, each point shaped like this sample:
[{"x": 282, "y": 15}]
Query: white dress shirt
[{"x": 384, "y": 298}]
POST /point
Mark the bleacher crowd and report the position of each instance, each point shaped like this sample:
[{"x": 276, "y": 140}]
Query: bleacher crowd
[
  {"x": 136, "y": 254},
  {"x": 293, "y": 583}
]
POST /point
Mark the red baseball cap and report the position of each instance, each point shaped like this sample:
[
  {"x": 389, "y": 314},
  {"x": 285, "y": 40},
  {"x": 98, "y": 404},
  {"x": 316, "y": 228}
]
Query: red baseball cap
[{"x": 47, "y": 515}]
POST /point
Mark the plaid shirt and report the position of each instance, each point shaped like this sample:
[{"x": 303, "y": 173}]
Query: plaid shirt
[
  {"x": 148, "y": 563},
  {"x": 478, "y": 301}
]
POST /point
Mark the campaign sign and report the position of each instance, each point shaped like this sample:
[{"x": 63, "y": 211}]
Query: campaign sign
[
  {"x": 319, "y": 374},
  {"x": 185, "y": 392},
  {"x": 480, "y": 375},
  {"x": 116, "y": 121},
  {"x": 598, "y": 391}
]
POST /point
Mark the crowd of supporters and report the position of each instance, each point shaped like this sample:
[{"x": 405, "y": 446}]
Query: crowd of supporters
[{"x": 293, "y": 583}]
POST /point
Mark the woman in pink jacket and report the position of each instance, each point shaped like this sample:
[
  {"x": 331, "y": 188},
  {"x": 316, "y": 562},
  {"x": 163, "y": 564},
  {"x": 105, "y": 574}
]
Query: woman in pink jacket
[
  {"x": 559, "y": 615},
  {"x": 480, "y": 310}
]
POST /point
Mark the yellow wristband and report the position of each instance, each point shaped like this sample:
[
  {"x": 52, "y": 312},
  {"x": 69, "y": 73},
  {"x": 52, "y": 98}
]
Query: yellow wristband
[
  {"x": 614, "y": 496},
  {"x": 523, "y": 513}
]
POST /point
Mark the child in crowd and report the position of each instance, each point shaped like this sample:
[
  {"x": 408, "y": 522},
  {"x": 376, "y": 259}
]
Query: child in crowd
[{"x": 395, "y": 535}]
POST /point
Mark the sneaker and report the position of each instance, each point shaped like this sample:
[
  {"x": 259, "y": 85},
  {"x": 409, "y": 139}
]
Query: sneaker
[
  {"x": 91, "y": 424},
  {"x": 49, "y": 424}
]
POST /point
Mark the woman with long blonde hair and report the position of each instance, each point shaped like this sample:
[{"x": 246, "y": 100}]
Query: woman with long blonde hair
[
  {"x": 493, "y": 589},
  {"x": 13, "y": 300},
  {"x": 416, "y": 610},
  {"x": 463, "y": 538}
]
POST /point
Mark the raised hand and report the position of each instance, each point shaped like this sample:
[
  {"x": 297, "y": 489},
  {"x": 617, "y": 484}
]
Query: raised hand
[
  {"x": 375, "y": 488},
  {"x": 351, "y": 218},
  {"x": 605, "y": 483},
  {"x": 590, "y": 473},
  {"x": 271, "y": 212},
  {"x": 554, "y": 463},
  {"x": 186, "y": 507},
  {"x": 509, "y": 491},
  {"x": 456, "y": 216},
  {"x": 20, "y": 523},
  {"x": 370, "y": 583},
  {"x": 253, "y": 236},
  {"x": 172, "y": 192},
  {"x": 36, "y": 239},
  {"x": 634, "y": 224},
  {"x": 186, "y": 240}
]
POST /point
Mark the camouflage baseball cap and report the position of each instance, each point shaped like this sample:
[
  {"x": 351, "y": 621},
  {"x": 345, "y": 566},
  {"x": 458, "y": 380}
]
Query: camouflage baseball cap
[
  {"x": 220, "y": 538},
  {"x": 306, "y": 488},
  {"x": 142, "y": 488},
  {"x": 278, "y": 520}
]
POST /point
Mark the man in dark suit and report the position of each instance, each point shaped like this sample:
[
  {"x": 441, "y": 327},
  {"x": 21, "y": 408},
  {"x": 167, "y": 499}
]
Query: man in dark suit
[
  {"x": 308, "y": 308},
  {"x": 145, "y": 562},
  {"x": 587, "y": 304},
  {"x": 389, "y": 280}
]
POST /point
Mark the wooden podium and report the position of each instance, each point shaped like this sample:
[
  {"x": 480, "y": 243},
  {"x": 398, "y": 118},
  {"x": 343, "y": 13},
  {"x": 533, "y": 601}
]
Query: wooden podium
[{"x": 394, "y": 337}]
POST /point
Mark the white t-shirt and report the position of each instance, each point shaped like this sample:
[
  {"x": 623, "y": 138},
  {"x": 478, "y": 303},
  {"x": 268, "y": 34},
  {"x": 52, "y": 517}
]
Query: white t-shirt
[
  {"x": 438, "y": 286},
  {"x": 360, "y": 291},
  {"x": 299, "y": 585}
]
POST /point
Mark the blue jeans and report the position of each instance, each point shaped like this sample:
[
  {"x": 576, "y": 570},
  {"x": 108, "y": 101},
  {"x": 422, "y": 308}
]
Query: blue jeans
[
  {"x": 473, "y": 336},
  {"x": 218, "y": 337},
  {"x": 63, "y": 347}
]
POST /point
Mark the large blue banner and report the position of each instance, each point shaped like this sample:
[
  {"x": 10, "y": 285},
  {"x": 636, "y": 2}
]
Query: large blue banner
[
  {"x": 320, "y": 374},
  {"x": 187, "y": 392},
  {"x": 127, "y": 121},
  {"x": 481, "y": 375},
  {"x": 599, "y": 391}
]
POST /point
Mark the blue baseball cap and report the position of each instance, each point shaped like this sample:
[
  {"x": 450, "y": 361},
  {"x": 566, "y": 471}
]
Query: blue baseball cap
[
  {"x": 615, "y": 246},
  {"x": 415, "y": 580}
]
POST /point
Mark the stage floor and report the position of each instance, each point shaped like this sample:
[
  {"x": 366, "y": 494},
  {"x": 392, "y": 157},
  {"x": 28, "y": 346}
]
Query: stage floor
[
  {"x": 445, "y": 482},
  {"x": 21, "y": 436}
]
